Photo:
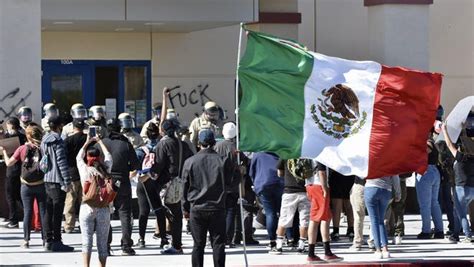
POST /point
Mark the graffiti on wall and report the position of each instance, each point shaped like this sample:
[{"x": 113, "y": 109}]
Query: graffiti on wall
[
  {"x": 11, "y": 101},
  {"x": 192, "y": 100},
  {"x": 197, "y": 96}
]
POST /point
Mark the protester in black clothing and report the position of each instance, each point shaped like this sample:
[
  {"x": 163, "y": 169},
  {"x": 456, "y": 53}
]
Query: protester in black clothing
[
  {"x": 12, "y": 177},
  {"x": 207, "y": 176},
  {"x": 74, "y": 144},
  {"x": 170, "y": 156},
  {"x": 148, "y": 189},
  {"x": 124, "y": 161},
  {"x": 227, "y": 148}
]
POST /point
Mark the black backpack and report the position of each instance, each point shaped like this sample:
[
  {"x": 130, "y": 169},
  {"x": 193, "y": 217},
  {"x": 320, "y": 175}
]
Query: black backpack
[{"x": 30, "y": 169}]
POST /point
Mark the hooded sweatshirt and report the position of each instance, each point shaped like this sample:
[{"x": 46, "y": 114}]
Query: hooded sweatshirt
[{"x": 54, "y": 146}]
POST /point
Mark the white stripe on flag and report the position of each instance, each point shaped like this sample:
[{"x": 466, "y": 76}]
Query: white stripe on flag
[{"x": 345, "y": 155}]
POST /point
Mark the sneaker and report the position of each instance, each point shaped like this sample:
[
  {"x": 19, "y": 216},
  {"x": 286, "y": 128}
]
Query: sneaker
[
  {"x": 371, "y": 244},
  {"x": 275, "y": 251},
  {"x": 355, "y": 247},
  {"x": 170, "y": 250},
  {"x": 333, "y": 258},
  {"x": 250, "y": 242},
  {"x": 449, "y": 232},
  {"x": 438, "y": 235},
  {"x": 301, "y": 246},
  {"x": 230, "y": 245},
  {"x": 397, "y": 240},
  {"x": 350, "y": 236},
  {"x": 453, "y": 239},
  {"x": 164, "y": 242},
  {"x": 466, "y": 240},
  {"x": 68, "y": 231},
  {"x": 314, "y": 259},
  {"x": 141, "y": 243},
  {"x": 386, "y": 255},
  {"x": 335, "y": 236},
  {"x": 378, "y": 255},
  {"x": 291, "y": 244},
  {"x": 424, "y": 236},
  {"x": 60, "y": 247},
  {"x": 156, "y": 236},
  {"x": 128, "y": 251},
  {"x": 10, "y": 225},
  {"x": 47, "y": 246},
  {"x": 25, "y": 244}
]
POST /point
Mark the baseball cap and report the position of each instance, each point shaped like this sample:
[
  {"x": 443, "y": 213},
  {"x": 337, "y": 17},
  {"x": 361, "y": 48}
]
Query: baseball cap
[
  {"x": 229, "y": 130},
  {"x": 206, "y": 137}
]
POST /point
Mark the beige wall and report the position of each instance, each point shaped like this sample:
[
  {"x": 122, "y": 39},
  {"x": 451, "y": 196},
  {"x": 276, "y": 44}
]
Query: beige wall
[
  {"x": 96, "y": 45},
  {"x": 452, "y": 48},
  {"x": 342, "y": 30},
  {"x": 187, "y": 59}
]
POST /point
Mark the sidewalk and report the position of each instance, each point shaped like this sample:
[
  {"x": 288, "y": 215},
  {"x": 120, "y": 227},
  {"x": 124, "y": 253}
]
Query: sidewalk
[{"x": 411, "y": 250}]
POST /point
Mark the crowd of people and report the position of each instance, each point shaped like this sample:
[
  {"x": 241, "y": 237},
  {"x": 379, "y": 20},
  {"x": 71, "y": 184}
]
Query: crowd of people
[{"x": 198, "y": 176}]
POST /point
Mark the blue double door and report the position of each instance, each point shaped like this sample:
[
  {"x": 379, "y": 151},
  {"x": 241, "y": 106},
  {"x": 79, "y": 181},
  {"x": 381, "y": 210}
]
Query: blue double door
[{"x": 91, "y": 82}]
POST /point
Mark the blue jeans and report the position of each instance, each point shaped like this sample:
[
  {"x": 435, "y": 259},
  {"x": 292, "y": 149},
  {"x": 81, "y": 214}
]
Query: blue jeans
[
  {"x": 376, "y": 201},
  {"x": 230, "y": 213},
  {"x": 462, "y": 197},
  {"x": 427, "y": 192},
  {"x": 270, "y": 197}
]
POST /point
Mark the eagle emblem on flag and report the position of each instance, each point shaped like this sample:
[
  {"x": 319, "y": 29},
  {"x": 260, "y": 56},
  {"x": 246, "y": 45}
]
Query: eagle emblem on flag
[{"x": 337, "y": 113}]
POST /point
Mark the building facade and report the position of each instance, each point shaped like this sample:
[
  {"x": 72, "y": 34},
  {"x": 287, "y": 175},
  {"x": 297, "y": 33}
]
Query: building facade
[{"x": 121, "y": 53}]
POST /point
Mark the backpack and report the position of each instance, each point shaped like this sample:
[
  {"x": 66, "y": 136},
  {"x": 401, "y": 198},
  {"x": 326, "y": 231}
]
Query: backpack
[
  {"x": 45, "y": 163},
  {"x": 98, "y": 191},
  {"x": 301, "y": 169},
  {"x": 30, "y": 169}
]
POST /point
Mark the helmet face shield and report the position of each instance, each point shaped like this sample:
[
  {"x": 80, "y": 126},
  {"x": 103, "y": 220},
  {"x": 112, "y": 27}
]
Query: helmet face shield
[
  {"x": 97, "y": 113},
  {"x": 127, "y": 123},
  {"x": 26, "y": 115},
  {"x": 80, "y": 113},
  {"x": 51, "y": 112}
]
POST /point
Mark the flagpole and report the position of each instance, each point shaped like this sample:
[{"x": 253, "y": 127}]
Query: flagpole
[{"x": 238, "y": 144}]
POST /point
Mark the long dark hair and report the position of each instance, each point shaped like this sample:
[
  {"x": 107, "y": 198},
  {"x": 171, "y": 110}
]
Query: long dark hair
[{"x": 93, "y": 151}]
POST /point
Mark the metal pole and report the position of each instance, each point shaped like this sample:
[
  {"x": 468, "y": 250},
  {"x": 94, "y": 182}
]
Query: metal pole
[{"x": 238, "y": 144}]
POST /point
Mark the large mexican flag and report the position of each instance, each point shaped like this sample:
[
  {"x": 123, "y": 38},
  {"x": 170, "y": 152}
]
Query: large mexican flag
[{"x": 357, "y": 117}]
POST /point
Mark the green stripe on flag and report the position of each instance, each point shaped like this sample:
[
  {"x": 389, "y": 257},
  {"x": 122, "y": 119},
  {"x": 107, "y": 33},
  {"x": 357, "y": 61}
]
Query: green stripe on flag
[{"x": 272, "y": 74}]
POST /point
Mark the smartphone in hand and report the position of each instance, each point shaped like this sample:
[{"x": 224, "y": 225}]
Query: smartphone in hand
[{"x": 92, "y": 131}]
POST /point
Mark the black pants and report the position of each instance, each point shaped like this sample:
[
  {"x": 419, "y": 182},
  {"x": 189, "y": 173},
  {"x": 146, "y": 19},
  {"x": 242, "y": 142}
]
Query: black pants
[
  {"x": 201, "y": 222},
  {"x": 12, "y": 194},
  {"x": 177, "y": 224},
  {"x": 144, "y": 207},
  {"x": 231, "y": 212},
  {"x": 28, "y": 195},
  {"x": 55, "y": 199},
  {"x": 123, "y": 203},
  {"x": 248, "y": 221}
]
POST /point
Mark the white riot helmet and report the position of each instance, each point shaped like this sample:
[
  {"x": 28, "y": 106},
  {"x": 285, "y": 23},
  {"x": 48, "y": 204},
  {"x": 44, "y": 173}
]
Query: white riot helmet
[
  {"x": 126, "y": 121},
  {"x": 97, "y": 113},
  {"x": 211, "y": 110},
  {"x": 25, "y": 114},
  {"x": 78, "y": 111},
  {"x": 50, "y": 110}
]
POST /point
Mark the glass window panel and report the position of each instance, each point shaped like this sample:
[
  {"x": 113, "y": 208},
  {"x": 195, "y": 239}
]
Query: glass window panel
[
  {"x": 135, "y": 93},
  {"x": 66, "y": 91}
]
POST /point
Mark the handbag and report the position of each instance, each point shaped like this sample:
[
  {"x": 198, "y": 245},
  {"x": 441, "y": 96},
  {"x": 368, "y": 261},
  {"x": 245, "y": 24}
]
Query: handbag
[{"x": 174, "y": 188}]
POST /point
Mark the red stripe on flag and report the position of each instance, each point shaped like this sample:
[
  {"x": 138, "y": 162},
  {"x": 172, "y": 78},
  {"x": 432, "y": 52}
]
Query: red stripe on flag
[{"x": 404, "y": 111}]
